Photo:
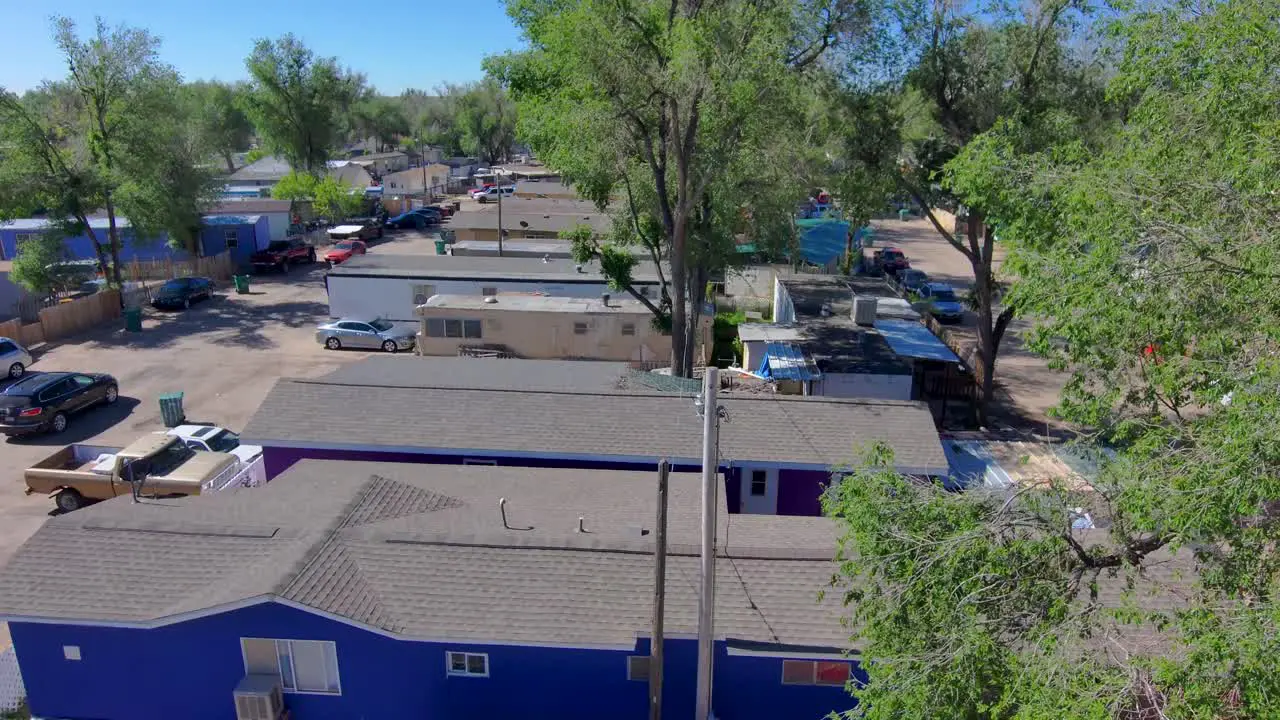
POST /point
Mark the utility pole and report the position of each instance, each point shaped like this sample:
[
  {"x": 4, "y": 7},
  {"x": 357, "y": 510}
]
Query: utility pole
[
  {"x": 707, "y": 598},
  {"x": 497, "y": 184},
  {"x": 659, "y": 596}
]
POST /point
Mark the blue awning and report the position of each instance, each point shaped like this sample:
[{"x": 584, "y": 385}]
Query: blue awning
[
  {"x": 913, "y": 340},
  {"x": 784, "y": 361}
]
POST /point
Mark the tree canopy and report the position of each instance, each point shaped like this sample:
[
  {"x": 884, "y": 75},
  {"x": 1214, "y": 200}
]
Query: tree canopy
[{"x": 1146, "y": 254}]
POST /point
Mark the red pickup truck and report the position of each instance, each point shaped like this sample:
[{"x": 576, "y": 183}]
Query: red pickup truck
[{"x": 281, "y": 254}]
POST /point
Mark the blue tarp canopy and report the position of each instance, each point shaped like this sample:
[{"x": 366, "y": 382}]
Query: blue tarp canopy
[
  {"x": 913, "y": 340},
  {"x": 784, "y": 361}
]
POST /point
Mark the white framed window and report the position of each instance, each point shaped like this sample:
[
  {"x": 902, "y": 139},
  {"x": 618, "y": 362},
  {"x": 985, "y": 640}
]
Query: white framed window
[
  {"x": 232, "y": 237},
  {"x": 628, "y": 328},
  {"x": 71, "y": 652},
  {"x": 20, "y": 238},
  {"x": 579, "y": 328},
  {"x": 303, "y": 666},
  {"x": 463, "y": 664},
  {"x": 815, "y": 672},
  {"x": 638, "y": 667},
  {"x": 759, "y": 482}
]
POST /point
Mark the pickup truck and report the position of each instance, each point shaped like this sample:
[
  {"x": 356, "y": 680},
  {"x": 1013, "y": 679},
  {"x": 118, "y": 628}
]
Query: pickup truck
[
  {"x": 157, "y": 464},
  {"x": 211, "y": 438},
  {"x": 280, "y": 254}
]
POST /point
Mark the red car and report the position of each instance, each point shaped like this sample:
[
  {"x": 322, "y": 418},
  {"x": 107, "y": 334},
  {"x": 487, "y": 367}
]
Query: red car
[
  {"x": 344, "y": 250},
  {"x": 891, "y": 260}
]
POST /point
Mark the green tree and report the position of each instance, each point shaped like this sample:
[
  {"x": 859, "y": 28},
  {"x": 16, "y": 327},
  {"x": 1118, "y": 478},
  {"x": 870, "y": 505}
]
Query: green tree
[
  {"x": 700, "y": 90},
  {"x": 381, "y": 118},
  {"x": 1157, "y": 293},
  {"x": 329, "y": 196},
  {"x": 33, "y": 266},
  {"x": 300, "y": 104},
  {"x": 221, "y": 124},
  {"x": 486, "y": 118},
  {"x": 437, "y": 124}
]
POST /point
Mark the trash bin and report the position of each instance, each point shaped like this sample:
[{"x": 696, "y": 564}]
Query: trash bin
[
  {"x": 440, "y": 246},
  {"x": 133, "y": 319},
  {"x": 903, "y": 214},
  {"x": 242, "y": 283},
  {"x": 171, "y": 409}
]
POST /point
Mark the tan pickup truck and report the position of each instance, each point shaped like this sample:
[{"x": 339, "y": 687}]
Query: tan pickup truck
[{"x": 161, "y": 465}]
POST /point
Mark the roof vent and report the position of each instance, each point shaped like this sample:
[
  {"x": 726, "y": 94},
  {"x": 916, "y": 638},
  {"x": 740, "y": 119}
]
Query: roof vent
[
  {"x": 604, "y": 298},
  {"x": 582, "y": 528},
  {"x": 490, "y": 300},
  {"x": 864, "y": 310},
  {"x": 578, "y": 267},
  {"x": 546, "y": 258}
]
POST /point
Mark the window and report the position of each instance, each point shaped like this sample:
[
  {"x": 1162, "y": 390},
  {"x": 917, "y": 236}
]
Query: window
[
  {"x": 645, "y": 291},
  {"x": 440, "y": 327},
  {"x": 628, "y": 328},
  {"x": 7, "y": 347},
  {"x": 423, "y": 293},
  {"x": 471, "y": 461},
  {"x": 489, "y": 291},
  {"x": 83, "y": 381},
  {"x": 579, "y": 328},
  {"x": 232, "y": 237},
  {"x": 815, "y": 672},
  {"x": 638, "y": 667},
  {"x": 468, "y": 664},
  {"x": 71, "y": 652},
  {"x": 435, "y": 327},
  {"x": 453, "y": 328},
  {"x": 20, "y": 238},
  {"x": 303, "y": 666},
  {"x": 759, "y": 482},
  {"x": 471, "y": 328}
]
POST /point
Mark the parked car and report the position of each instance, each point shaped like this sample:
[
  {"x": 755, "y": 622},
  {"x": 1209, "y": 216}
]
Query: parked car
[
  {"x": 280, "y": 254},
  {"x": 890, "y": 261},
  {"x": 163, "y": 465},
  {"x": 476, "y": 191},
  {"x": 14, "y": 359},
  {"x": 942, "y": 301},
  {"x": 415, "y": 219},
  {"x": 46, "y": 401},
  {"x": 491, "y": 194},
  {"x": 912, "y": 280},
  {"x": 211, "y": 438},
  {"x": 343, "y": 251},
  {"x": 352, "y": 333},
  {"x": 181, "y": 292}
]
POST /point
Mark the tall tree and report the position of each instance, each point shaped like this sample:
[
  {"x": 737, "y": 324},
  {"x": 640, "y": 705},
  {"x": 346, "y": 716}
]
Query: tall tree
[
  {"x": 486, "y": 119},
  {"x": 114, "y": 72},
  {"x": 299, "y": 103},
  {"x": 650, "y": 101},
  {"x": 222, "y": 126},
  {"x": 1157, "y": 292},
  {"x": 381, "y": 118}
]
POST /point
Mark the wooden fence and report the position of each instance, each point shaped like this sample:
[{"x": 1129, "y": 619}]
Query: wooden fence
[
  {"x": 65, "y": 319},
  {"x": 218, "y": 267}
]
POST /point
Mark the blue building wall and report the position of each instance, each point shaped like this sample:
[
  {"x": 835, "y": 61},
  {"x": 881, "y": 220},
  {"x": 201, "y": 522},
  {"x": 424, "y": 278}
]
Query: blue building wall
[
  {"x": 188, "y": 670},
  {"x": 252, "y": 234},
  {"x": 212, "y": 241}
]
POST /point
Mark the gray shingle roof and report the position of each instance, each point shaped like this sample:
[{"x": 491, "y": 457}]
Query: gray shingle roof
[
  {"x": 270, "y": 167},
  {"x": 619, "y": 424},
  {"x": 420, "y": 550}
]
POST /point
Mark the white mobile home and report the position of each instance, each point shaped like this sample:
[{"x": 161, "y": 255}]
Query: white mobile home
[{"x": 392, "y": 286}]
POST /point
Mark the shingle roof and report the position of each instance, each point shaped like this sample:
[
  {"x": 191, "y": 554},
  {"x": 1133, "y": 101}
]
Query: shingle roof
[
  {"x": 625, "y": 424},
  {"x": 270, "y": 167},
  {"x": 420, "y": 550}
]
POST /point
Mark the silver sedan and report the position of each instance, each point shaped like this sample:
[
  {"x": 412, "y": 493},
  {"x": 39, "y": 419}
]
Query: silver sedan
[{"x": 374, "y": 334}]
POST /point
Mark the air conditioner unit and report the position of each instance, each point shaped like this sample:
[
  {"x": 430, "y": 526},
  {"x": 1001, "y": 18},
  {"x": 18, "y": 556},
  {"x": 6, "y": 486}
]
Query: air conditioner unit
[
  {"x": 864, "y": 310},
  {"x": 258, "y": 697}
]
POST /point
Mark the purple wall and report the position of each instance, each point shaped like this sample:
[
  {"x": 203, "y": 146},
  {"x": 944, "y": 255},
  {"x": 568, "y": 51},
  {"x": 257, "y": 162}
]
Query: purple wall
[{"x": 799, "y": 491}]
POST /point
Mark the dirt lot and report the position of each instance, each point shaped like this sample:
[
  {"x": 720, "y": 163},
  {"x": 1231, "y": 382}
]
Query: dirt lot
[{"x": 1026, "y": 386}]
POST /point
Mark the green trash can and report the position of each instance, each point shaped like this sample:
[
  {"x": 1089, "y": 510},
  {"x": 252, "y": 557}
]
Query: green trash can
[
  {"x": 904, "y": 214},
  {"x": 440, "y": 246},
  {"x": 171, "y": 409},
  {"x": 133, "y": 319},
  {"x": 242, "y": 283}
]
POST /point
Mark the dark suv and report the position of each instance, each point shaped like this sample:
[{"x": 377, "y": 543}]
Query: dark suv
[{"x": 46, "y": 401}]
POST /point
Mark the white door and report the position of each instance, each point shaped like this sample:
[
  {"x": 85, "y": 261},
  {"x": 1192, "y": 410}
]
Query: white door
[{"x": 759, "y": 491}]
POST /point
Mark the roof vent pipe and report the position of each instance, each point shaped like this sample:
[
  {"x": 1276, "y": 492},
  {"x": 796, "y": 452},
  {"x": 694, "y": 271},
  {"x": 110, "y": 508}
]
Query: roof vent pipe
[
  {"x": 578, "y": 268},
  {"x": 502, "y": 508},
  {"x": 604, "y": 297},
  {"x": 581, "y": 527}
]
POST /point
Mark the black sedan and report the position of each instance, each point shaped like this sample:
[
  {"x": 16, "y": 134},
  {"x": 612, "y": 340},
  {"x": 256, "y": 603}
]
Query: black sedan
[
  {"x": 45, "y": 401},
  {"x": 181, "y": 292}
]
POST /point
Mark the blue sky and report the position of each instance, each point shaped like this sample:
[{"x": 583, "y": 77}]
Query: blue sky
[{"x": 397, "y": 45}]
